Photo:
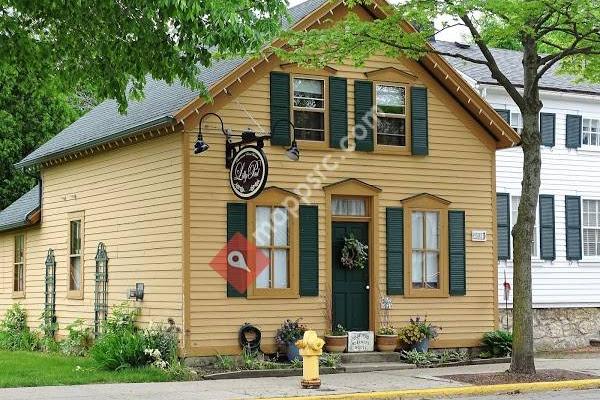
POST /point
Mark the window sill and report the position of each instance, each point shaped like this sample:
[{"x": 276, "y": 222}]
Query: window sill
[
  {"x": 588, "y": 149},
  {"x": 18, "y": 295},
  {"x": 75, "y": 295},
  {"x": 426, "y": 293},
  {"x": 389, "y": 149},
  {"x": 312, "y": 145},
  {"x": 272, "y": 294}
]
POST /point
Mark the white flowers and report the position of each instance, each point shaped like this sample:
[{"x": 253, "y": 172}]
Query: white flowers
[{"x": 157, "y": 360}]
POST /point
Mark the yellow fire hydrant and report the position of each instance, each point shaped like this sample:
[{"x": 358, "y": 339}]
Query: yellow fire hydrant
[{"x": 311, "y": 347}]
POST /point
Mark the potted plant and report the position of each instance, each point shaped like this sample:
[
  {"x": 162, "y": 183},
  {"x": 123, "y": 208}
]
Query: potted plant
[
  {"x": 289, "y": 333},
  {"x": 418, "y": 334},
  {"x": 386, "y": 339},
  {"x": 337, "y": 340}
]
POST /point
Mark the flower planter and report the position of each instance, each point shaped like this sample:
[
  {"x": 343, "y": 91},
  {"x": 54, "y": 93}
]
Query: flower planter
[
  {"x": 386, "y": 343},
  {"x": 422, "y": 346},
  {"x": 293, "y": 353},
  {"x": 336, "y": 344}
]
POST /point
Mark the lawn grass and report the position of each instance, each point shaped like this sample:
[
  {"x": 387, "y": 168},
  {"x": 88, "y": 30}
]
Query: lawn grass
[{"x": 20, "y": 368}]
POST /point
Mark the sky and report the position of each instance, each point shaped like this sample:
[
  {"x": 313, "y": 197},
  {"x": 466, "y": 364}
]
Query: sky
[{"x": 455, "y": 34}]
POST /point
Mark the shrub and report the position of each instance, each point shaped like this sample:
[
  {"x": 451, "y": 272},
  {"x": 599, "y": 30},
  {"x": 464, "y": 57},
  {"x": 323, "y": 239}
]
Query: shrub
[
  {"x": 120, "y": 349},
  {"x": 497, "y": 344},
  {"x": 14, "y": 332},
  {"x": 164, "y": 338},
  {"x": 290, "y": 332},
  {"x": 78, "y": 339},
  {"x": 122, "y": 318}
]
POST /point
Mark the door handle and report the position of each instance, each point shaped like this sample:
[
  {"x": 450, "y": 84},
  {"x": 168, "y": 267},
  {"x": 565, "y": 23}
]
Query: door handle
[{"x": 368, "y": 287}]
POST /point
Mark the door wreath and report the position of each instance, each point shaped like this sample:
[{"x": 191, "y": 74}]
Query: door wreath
[{"x": 354, "y": 253}]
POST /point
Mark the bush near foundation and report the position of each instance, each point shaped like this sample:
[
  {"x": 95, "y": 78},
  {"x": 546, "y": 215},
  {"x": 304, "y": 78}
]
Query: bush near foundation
[
  {"x": 14, "y": 333},
  {"x": 497, "y": 344}
]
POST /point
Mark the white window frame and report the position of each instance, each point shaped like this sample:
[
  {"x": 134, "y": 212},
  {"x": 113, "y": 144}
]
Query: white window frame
[
  {"x": 391, "y": 115},
  {"x": 583, "y": 132},
  {"x": 583, "y": 227},
  {"x": 310, "y": 109},
  {"x": 535, "y": 255},
  {"x": 518, "y": 127}
]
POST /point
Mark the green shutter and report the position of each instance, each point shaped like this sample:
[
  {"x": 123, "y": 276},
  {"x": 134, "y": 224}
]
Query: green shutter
[
  {"x": 457, "y": 264},
  {"x": 309, "y": 250},
  {"x": 547, "y": 231},
  {"x": 419, "y": 121},
  {"x": 547, "y": 128},
  {"x": 505, "y": 114},
  {"x": 236, "y": 223},
  {"x": 280, "y": 108},
  {"x": 573, "y": 131},
  {"x": 338, "y": 112},
  {"x": 395, "y": 250},
  {"x": 573, "y": 220},
  {"x": 363, "y": 115},
  {"x": 503, "y": 225}
]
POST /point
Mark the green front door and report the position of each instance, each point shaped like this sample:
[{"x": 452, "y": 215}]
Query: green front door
[{"x": 350, "y": 287}]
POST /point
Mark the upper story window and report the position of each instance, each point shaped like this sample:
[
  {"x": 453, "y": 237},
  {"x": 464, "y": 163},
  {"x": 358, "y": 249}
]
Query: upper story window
[
  {"x": 19, "y": 264},
  {"x": 516, "y": 121},
  {"x": 425, "y": 250},
  {"x": 515, "y": 200},
  {"x": 591, "y": 228},
  {"x": 591, "y": 132},
  {"x": 391, "y": 115},
  {"x": 76, "y": 257},
  {"x": 309, "y": 109}
]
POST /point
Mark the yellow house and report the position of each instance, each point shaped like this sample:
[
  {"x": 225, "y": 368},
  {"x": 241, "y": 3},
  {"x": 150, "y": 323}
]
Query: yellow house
[{"x": 397, "y": 155}]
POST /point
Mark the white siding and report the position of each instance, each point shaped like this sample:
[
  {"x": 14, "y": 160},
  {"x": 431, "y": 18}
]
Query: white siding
[{"x": 560, "y": 283}]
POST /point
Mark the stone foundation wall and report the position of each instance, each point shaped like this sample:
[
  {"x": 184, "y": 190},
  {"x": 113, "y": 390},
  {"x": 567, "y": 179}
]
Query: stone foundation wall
[{"x": 560, "y": 328}]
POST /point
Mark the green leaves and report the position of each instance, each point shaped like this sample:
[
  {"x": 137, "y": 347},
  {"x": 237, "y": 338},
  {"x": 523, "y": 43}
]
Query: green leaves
[{"x": 113, "y": 46}]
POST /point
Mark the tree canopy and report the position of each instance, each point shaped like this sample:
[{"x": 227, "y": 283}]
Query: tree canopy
[{"x": 112, "y": 46}]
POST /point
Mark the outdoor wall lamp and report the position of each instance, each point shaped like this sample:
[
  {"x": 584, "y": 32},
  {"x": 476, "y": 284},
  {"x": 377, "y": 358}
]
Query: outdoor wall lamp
[{"x": 247, "y": 137}]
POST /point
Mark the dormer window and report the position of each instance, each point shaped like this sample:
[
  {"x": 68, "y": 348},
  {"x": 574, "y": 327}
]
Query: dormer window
[{"x": 391, "y": 115}]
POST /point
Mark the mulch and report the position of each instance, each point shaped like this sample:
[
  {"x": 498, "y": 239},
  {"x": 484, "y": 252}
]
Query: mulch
[{"x": 544, "y": 375}]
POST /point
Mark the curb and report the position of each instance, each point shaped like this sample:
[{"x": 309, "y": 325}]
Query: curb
[{"x": 456, "y": 391}]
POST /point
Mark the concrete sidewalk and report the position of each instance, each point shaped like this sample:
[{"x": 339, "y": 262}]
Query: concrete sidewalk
[{"x": 281, "y": 387}]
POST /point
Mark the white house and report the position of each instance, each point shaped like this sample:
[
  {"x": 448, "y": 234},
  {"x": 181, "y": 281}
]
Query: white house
[{"x": 566, "y": 251}]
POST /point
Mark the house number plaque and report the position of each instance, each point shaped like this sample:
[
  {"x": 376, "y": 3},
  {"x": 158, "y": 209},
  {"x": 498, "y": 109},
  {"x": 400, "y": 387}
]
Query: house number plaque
[{"x": 248, "y": 173}]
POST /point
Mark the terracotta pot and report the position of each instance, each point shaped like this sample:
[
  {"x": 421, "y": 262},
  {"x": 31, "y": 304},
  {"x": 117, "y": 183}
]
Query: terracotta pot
[
  {"x": 336, "y": 344},
  {"x": 386, "y": 343}
]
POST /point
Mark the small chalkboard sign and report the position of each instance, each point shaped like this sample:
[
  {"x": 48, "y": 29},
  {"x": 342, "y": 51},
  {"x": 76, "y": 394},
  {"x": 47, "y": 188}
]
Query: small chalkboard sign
[{"x": 361, "y": 341}]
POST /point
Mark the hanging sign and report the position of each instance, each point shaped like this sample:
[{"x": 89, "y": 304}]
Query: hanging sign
[{"x": 248, "y": 173}]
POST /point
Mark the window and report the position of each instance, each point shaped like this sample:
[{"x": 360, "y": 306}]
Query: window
[
  {"x": 591, "y": 228},
  {"x": 591, "y": 132},
  {"x": 426, "y": 246},
  {"x": 515, "y": 200},
  {"x": 272, "y": 238},
  {"x": 274, "y": 232},
  {"x": 19, "y": 264},
  {"x": 349, "y": 206},
  {"x": 309, "y": 109},
  {"x": 391, "y": 115},
  {"x": 516, "y": 121},
  {"x": 425, "y": 249},
  {"x": 76, "y": 258}
]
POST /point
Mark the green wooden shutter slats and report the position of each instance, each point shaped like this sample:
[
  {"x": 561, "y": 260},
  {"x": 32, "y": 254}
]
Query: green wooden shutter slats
[
  {"x": 548, "y": 128},
  {"x": 547, "y": 231},
  {"x": 280, "y": 108},
  {"x": 457, "y": 253},
  {"x": 338, "y": 112},
  {"x": 309, "y": 250},
  {"x": 573, "y": 222},
  {"x": 363, "y": 115},
  {"x": 395, "y": 250},
  {"x": 573, "y": 131},
  {"x": 236, "y": 223},
  {"x": 419, "y": 121},
  {"x": 505, "y": 114},
  {"x": 503, "y": 225}
]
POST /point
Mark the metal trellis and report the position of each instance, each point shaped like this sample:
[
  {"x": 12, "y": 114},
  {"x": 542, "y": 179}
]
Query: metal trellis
[{"x": 101, "y": 290}]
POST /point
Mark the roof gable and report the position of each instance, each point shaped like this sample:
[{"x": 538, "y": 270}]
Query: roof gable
[{"x": 20, "y": 213}]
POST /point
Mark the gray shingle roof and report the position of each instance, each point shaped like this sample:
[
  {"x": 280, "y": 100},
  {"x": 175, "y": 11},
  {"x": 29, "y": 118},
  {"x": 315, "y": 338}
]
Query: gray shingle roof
[
  {"x": 160, "y": 103},
  {"x": 16, "y": 215},
  {"x": 509, "y": 62}
]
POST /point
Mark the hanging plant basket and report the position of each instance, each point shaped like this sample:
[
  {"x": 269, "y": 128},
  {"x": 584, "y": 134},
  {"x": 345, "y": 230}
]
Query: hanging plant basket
[{"x": 354, "y": 253}]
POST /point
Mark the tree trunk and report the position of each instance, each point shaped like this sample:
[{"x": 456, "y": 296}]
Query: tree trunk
[{"x": 523, "y": 231}]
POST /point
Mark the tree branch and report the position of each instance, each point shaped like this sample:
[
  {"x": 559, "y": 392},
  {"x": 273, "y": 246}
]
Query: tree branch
[{"x": 492, "y": 65}]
